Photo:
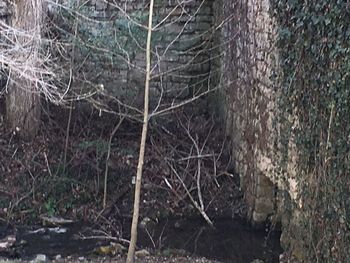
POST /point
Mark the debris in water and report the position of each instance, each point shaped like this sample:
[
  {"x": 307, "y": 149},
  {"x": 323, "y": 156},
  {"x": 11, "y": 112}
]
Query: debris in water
[
  {"x": 7, "y": 242},
  {"x": 53, "y": 220}
]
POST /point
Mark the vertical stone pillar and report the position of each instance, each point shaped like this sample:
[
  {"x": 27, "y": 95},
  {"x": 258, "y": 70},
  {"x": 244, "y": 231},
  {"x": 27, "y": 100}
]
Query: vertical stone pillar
[{"x": 247, "y": 67}]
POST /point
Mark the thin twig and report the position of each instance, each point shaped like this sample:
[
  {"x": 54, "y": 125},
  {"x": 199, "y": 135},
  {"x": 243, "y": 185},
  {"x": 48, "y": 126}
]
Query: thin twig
[{"x": 107, "y": 160}]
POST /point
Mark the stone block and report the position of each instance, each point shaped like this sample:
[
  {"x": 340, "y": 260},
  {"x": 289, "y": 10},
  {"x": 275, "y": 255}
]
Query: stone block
[
  {"x": 205, "y": 67},
  {"x": 101, "y": 5},
  {"x": 264, "y": 192},
  {"x": 206, "y": 10},
  {"x": 203, "y": 26},
  {"x": 184, "y": 19},
  {"x": 258, "y": 218},
  {"x": 204, "y": 18},
  {"x": 191, "y": 3},
  {"x": 263, "y": 180},
  {"x": 188, "y": 44},
  {"x": 264, "y": 206}
]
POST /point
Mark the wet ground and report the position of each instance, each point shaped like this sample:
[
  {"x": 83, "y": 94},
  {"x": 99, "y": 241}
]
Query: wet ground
[
  {"x": 230, "y": 241},
  {"x": 39, "y": 180}
]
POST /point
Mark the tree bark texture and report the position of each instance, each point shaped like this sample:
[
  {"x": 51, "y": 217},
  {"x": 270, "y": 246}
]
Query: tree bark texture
[
  {"x": 23, "y": 108},
  {"x": 23, "y": 99}
]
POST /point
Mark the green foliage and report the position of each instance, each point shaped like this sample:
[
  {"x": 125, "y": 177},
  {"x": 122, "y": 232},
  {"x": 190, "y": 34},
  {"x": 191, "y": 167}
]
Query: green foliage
[
  {"x": 51, "y": 206},
  {"x": 314, "y": 47}
]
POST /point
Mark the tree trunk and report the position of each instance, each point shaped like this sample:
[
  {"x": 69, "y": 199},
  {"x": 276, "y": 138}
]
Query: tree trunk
[
  {"x": 135, "y": 216},
  {"x": 23, "y": 108},
  {"x": 23, "y": 99}
]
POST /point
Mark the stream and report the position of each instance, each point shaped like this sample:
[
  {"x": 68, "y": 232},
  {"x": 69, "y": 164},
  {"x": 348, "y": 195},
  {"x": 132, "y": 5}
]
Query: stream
[{"x": 232, "y": 240}]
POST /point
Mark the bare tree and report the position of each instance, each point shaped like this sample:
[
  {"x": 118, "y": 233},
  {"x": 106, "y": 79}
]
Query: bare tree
[
  {"x": 201, "y": 85},
  {"x": 135, "y": 217}
]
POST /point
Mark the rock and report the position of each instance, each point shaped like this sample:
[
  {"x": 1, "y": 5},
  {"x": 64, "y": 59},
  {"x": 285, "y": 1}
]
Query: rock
[
  {"x": 23, "y": 242},
  {"x": 53, "y": 220},
  {"x": 7, "y": 242},
  {"x": 58, "y": 230},
  {"x": 37, "y": 231},
  {"x": 142, "y": 253},
  {"x": 58, "y": 257},
  {"x": 39, "y": 258},
  {"x": 111, "y": 250}
]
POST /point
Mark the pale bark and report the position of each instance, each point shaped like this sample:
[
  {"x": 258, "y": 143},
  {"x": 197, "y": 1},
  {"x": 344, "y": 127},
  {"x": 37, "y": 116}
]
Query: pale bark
[
  {"x": 23, "y": 98},
  {"x": 23, "y": 109},
  {"x": 135, "y": 218}
]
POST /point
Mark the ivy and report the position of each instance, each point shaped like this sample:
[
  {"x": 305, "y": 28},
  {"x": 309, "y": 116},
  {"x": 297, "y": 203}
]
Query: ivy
[{"x": 314, "y": 86}]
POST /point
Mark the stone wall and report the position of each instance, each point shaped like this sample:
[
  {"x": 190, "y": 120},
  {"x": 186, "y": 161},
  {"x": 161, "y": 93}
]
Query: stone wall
[
  {"x": 250, "y": 92},
  {"x": 111, "y": 37},
  {"x": 249, "y": 95}
]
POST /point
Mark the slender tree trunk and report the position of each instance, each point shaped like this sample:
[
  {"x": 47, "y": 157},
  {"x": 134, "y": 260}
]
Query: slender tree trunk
[
  {"x": 23, "y": 98},
  {"x": 135, "y": 218}
]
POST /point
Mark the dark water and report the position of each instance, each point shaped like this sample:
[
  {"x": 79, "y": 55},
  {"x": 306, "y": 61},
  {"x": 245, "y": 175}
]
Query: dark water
[
  {"x": 230, "y": 241},
  {"x": 52, "y": 241}
]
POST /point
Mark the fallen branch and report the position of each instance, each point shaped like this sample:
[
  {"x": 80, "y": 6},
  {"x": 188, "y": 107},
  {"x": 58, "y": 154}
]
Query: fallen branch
[{"x": 194, "y": 202}]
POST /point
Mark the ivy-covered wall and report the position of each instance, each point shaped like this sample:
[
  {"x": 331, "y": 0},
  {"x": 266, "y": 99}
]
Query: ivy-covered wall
[
  {"x": 314, "y": 105},
  {"x": 287, "y": 102}
]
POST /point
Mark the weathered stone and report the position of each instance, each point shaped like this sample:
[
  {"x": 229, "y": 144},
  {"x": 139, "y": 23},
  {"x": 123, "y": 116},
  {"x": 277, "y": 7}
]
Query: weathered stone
[
  {"x": 203, "y": 26},
  {"x": 258, "y": 218},
  {"x": 40, "y": 258},
  {"x": 91, "y": 2},
  {"x": 206, "y": 10},
  {"x": 142, "y": 253},
  {"x": 204, "y": 18},
  {"x": 120, "y": 44},
  {"x": 263, "y": 180},
  {"x": 101, "y": 5},
  {"x": 264, "y": 192},
  {"x": 264, "y": 205}
]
